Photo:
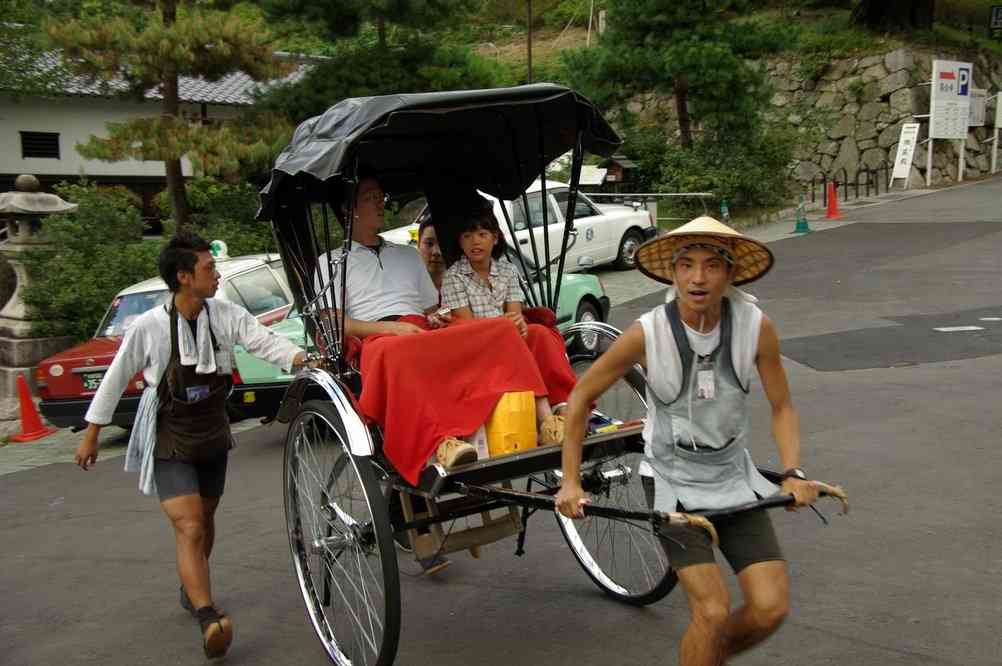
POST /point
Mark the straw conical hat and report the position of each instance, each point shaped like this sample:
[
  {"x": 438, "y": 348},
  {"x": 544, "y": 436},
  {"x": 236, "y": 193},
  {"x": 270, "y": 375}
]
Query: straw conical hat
[{"x": 752, "y": 259}]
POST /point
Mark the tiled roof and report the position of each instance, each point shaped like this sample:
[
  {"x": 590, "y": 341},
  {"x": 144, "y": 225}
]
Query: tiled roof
[{"x": 235, "y": 89}]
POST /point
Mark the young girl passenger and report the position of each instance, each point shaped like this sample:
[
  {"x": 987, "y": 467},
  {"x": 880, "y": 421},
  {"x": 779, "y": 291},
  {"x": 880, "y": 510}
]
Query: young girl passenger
[{"x": 481, "y": 283}]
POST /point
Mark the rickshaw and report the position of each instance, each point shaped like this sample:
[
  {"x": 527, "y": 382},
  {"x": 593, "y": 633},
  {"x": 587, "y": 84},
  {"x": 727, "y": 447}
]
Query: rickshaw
[{"x": 338, "y": 485}]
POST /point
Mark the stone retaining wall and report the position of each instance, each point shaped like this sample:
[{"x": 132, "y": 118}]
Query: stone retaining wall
[{"x": 851, "y": 117}]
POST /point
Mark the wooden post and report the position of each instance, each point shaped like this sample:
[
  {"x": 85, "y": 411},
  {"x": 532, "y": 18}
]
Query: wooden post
[
  {"x": 961, "y": 161},
  {"x": 928, "y": 161}
]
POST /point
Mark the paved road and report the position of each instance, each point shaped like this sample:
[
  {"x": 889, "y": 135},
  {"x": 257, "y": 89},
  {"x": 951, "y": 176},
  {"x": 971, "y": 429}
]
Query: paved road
[{"x": 901, "y": 414}]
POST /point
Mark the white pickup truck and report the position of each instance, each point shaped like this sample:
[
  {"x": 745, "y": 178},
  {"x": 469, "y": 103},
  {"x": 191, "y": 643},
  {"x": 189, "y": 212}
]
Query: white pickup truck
[{"x": 605, "y": 233}]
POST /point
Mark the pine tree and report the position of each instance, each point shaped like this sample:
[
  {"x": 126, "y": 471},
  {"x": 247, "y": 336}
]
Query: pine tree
[
  {"x": 149, "y": 44},
  {"x": 676, "y": 47}
]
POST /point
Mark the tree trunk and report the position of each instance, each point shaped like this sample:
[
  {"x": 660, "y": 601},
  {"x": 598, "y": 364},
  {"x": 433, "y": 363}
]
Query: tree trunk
[
  {"x": 681, "y": 90},
  {"x": 171, "y": 115},
  {"x": 895, "y": 15},
  {"x": 381, "y": 31}
]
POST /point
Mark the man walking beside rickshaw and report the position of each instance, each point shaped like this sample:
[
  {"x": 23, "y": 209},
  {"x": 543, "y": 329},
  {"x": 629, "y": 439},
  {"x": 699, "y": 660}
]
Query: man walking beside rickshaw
[
  {"x": 700, "y": 350},
  {"x": 181, "y": 436}
]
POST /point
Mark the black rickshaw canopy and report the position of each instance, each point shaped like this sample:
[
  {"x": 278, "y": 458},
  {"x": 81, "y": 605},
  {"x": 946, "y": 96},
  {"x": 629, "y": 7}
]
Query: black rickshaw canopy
[
  {"x": 446, "y": 145},
  {"x": 495, "y": 140}
]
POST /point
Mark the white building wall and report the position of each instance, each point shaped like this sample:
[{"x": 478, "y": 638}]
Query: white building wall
[{"x": 76, "y": 119}]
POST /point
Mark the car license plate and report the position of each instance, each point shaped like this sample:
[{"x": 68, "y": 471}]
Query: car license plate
[{"x": 91, "y": 380}]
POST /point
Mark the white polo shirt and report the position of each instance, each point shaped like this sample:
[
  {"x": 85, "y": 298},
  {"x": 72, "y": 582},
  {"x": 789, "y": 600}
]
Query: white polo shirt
[{"x": 390, "y": 282}]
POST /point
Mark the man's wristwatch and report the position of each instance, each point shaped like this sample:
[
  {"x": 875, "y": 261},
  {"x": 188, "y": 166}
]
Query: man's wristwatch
[{"x": 794, "y": 473}]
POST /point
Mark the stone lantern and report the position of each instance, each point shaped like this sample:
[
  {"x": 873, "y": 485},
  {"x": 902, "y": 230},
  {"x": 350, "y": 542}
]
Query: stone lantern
[{"x": 23, "y": 209}]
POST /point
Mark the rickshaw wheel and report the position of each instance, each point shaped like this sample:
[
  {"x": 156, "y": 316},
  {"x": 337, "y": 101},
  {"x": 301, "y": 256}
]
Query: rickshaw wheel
[
  {"x": 624, "y": 558},
  {"x": 341, "y": 540}
]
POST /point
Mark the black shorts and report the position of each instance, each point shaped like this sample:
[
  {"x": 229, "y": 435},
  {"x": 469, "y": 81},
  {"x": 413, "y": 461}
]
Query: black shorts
[
  {"x": 175, "y": 478},
  {"x": 745, "y": 539}
]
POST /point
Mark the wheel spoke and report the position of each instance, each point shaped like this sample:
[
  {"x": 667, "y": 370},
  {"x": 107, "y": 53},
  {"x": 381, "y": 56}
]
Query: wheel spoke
[{"x": 336, "y": 543}]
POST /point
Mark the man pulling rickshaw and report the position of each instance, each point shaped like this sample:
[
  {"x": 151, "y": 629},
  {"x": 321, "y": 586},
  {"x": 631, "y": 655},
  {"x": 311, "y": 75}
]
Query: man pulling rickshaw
[{"x": 700, "y": 350}]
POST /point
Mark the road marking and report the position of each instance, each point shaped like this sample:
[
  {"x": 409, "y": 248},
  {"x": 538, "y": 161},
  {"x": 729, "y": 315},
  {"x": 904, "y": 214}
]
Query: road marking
[
  {"x": 957, "y": 329},
  {"x": 990, "y": 319}
]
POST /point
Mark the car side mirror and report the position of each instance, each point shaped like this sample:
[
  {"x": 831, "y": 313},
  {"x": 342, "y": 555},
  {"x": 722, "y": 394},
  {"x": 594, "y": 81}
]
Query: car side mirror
[{"x": 636, "y": 205}]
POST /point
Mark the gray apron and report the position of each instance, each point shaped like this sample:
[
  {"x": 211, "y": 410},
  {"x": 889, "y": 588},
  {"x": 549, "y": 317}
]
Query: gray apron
[{"x": 697, "y": 448}]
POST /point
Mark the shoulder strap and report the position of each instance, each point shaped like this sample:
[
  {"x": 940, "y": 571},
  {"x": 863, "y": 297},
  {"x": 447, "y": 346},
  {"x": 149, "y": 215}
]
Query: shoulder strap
[
  {"x": 169, "y": 380},
  {"x": 685, "y": 352},
  {"x": 726, "y": 334},
  {"x": 212, "y": 334}
]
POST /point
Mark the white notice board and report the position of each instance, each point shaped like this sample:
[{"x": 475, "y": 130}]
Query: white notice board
[
  {"x": 951, "y": 99},
  {"x": 979, "y": 99},
  {"x": 906, "y": 150},
  {"x": 998, "y": 111}
]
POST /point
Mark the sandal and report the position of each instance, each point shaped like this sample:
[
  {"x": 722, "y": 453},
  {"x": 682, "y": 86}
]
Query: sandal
[
  {"x": 551, "y": 431},
  {"x": 217, "y": 631}
]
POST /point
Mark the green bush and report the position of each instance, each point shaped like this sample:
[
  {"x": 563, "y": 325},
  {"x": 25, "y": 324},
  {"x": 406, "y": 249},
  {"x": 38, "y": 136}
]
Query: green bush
[
  {"x": 96, "y": 251},
  {"x": 225, "y": 211},
  {"x": 748, "y": 172},
  {"x": 577, "y": 10},
  {"x": 758, "y": 37}
]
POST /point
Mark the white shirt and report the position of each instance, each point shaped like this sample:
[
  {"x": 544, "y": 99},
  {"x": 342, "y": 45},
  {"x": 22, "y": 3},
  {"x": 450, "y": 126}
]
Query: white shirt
[
  {"x": 703, "y": 344},
  {"x": 393, "y": 281},
  {"x": 146, "y": 347}
]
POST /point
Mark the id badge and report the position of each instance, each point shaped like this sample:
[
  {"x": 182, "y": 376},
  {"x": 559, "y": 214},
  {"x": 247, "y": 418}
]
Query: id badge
[
  {"x": 197, "y": 393},
  {"x": 706, "y": 383}
]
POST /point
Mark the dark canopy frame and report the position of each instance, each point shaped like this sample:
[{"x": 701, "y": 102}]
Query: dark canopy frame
[{"x": 497, "y": 141}]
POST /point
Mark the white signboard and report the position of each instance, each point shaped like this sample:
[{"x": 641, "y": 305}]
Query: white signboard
[
  {"x": 996, "y": 22},
  {"x": 979, "y": 98},
  {"x": 998, "y": 111},
  {"x": 951, "y": 99},
  {"x": 906, "y": 150}
]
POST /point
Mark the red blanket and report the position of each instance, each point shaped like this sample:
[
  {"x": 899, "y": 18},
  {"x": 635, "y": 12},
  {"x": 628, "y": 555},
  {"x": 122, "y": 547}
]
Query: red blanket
[
  {"x": 426, "y": 387},
  {"x": 548, "y": 349}
]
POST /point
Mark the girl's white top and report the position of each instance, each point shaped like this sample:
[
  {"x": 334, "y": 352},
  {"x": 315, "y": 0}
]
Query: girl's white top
[{"x": 146, "y": 347}]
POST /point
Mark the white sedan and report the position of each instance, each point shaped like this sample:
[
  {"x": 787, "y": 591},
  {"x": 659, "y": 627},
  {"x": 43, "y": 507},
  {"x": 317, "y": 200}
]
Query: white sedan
[{"x": 606, "y": 233}]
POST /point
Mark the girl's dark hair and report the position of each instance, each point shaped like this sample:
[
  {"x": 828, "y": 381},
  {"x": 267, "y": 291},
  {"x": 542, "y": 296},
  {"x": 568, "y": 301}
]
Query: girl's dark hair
[
  {"x": 180, "y": 254},
  {"x": 423, "y": 224},
  {"x": 479, "y": 215}
]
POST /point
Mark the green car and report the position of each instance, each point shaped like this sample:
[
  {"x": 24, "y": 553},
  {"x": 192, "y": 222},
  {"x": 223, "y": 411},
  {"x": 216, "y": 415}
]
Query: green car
[
  {"x": 68, "y": 380},
  {"x": 582, "y": 296}
]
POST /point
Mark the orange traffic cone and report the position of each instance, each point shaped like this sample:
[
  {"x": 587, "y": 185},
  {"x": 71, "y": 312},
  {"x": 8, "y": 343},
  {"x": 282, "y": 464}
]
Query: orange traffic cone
[
  {"x": 833, "y": 212},
  {"x": 31, "y": 422}
]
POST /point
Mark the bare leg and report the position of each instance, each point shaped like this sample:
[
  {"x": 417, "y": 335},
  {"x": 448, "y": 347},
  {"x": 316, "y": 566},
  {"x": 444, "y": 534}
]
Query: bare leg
[
  {"x": 187, "y": 515},
  {"x": 209, "y": 506},
  {"x": 543, "y": 410},
  {"x": 766, "y": 589},
  {"x": 709, "y": 604}
]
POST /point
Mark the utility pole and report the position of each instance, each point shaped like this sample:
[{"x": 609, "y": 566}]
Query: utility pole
[
  {"x": 591, "y": 13},
  {"x": 529, "y": 42}
]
